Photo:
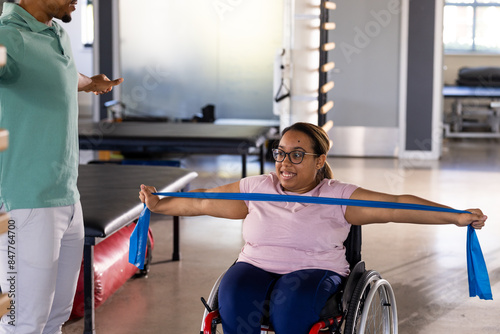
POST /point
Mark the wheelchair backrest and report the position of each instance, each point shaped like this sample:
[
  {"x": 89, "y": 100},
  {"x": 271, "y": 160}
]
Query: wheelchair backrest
[{"x": 353, "y": 246}]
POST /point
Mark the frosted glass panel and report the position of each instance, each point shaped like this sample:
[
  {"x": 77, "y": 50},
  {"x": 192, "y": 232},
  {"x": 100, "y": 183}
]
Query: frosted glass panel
[{"x": 178, "y": 56}]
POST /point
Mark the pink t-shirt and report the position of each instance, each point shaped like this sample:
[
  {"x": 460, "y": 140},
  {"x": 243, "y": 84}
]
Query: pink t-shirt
[{"x": 282, "y": 237}]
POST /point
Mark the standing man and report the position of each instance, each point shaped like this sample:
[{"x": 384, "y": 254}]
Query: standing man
[{"x": 41, "y": 255}]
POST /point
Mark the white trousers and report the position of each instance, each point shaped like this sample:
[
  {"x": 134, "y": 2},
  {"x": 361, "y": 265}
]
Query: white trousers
[{"x": 40, "y": 260}]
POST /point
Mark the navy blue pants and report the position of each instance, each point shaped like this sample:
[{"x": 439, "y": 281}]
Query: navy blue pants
[{"x": 293, "y": 301}]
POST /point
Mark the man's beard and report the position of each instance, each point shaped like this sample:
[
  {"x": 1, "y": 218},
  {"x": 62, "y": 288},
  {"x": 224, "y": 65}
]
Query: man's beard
[{"x": 66, "y": 18}]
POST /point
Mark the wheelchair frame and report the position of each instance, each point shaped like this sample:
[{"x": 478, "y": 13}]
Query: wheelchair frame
[{"x": 365, "y": 303}]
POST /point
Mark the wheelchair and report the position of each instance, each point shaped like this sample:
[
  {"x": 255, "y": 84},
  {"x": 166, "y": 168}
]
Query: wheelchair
[{"x": 364, "y": 303}]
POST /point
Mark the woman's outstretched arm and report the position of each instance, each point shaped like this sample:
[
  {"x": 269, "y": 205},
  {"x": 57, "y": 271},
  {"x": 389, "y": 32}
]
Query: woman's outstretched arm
[
  {"x": 176, "y": 206},
  {"x": 363, "y": 215}
]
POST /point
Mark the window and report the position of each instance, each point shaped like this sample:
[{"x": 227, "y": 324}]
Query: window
[
  {"x": 472, "y": 26},
  {"x": 88, "y": 23}
]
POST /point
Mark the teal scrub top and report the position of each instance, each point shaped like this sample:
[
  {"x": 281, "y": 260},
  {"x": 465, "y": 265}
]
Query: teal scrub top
[{"x": 39, "y": 108}]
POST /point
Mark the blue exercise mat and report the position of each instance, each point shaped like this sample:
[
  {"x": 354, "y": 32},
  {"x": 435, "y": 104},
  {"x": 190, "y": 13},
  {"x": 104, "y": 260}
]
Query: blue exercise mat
[{"x": 479, "y": 282}]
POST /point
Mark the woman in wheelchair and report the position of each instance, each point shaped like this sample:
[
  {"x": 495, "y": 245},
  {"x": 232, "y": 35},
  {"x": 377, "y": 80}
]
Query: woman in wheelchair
[{"x": 293, "y": 259}]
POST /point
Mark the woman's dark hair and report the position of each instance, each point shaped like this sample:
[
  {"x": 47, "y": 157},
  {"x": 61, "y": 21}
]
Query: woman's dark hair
[{"x": 321, "y": 144}]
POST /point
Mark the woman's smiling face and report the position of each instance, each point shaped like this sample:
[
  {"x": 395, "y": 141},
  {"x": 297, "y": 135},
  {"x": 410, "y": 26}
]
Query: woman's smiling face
[{"x": 298, "y": 178}]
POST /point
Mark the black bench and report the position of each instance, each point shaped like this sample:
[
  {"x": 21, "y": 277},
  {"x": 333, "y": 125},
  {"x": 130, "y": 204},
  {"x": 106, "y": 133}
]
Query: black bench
[
  {"x": 109, "y": 197},
  {"x": 189, "y": 138}
]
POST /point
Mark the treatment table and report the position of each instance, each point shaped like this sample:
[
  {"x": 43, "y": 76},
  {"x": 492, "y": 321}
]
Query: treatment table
[
  {"x": 473, "y": 103},
  {"x": 191, "y": 138},
  {"x": 110, "y": 200}
]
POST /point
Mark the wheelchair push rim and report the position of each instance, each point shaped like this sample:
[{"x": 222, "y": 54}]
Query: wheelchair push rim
[{"x": 372, "y": 309}]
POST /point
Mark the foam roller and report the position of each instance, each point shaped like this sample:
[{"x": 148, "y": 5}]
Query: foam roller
[{"x": 111, "y": 268}]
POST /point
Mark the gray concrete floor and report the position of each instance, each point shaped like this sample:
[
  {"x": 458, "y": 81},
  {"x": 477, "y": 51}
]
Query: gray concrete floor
[{"x": 426, "y": 265}]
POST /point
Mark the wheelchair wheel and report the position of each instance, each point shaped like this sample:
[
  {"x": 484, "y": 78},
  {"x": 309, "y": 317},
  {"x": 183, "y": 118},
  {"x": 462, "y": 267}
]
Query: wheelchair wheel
[
  {"x": 372, "y": 309},
  {"x": 213, "y": 304}
]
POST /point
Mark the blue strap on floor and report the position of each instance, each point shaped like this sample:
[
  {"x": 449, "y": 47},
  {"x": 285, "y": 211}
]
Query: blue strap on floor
[{"x": 479, "y": 283}]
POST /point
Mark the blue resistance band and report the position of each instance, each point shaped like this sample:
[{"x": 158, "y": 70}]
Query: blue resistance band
[{"x": 479, "y": 282}]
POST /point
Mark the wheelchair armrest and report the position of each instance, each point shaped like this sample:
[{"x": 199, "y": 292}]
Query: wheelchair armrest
[
  {"x": 353, "y": 278},
  {"x": 208, "y": 324}
]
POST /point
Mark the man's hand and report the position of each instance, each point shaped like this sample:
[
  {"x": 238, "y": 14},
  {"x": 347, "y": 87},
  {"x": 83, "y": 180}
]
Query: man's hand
[{"x": 98, "y": 84}]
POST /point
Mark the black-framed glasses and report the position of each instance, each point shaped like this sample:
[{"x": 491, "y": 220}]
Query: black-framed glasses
[{"x": 295, "y": 157}]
